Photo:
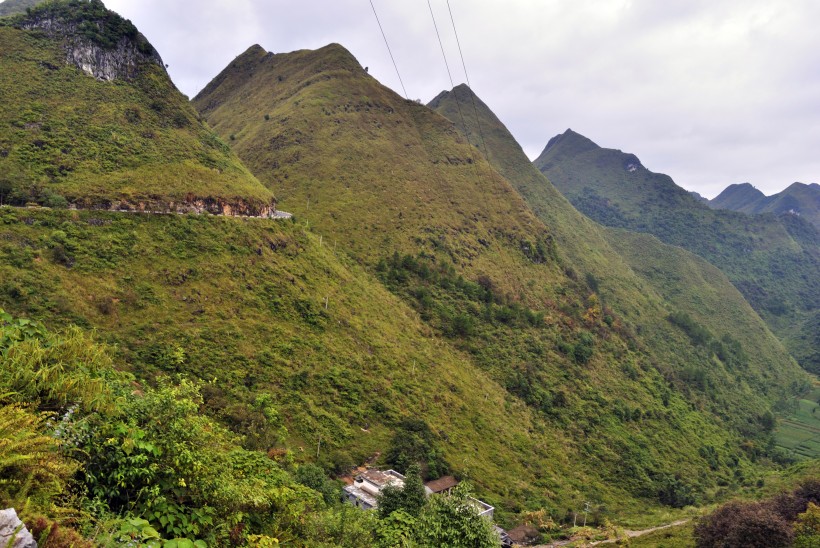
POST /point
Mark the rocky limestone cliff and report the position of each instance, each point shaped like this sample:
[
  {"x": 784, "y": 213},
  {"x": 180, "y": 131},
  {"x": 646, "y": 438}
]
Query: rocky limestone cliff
[
  {"x": 191, "y": 204},
  {"x": 103, "y": 61}
]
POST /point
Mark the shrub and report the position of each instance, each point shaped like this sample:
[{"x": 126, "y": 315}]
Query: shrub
[{"x": 750, "y": 525}]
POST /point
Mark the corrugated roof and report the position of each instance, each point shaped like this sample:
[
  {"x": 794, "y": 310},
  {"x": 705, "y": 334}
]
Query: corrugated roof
[{"x": 441, "y": 484}]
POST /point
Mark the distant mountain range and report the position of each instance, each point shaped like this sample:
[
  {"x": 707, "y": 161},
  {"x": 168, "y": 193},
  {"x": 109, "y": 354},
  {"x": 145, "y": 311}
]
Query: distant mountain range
[
  {"x": 798, "y": 199},
  {"x": 772, "y": 260}
]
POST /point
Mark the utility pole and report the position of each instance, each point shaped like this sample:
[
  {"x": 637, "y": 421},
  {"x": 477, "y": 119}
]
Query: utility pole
[{"x": 318, "y": 446}]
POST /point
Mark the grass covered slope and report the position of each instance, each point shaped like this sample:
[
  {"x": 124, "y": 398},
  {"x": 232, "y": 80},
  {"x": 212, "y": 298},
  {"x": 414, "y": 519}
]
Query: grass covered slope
[
  {"x": 365, "y": 167},
  {"x": 67, "y": 137},
  {"x": 772, "y": 261},
  {"x": 798, "y": 199},
  {"x": 262, "y": 310},
  {"x": 647, "y": 281},
  {"x": 404, "y": 193}
]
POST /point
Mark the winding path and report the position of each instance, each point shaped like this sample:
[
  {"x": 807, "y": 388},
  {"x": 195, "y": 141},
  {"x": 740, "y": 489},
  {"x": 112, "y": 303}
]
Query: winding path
[{"x": 627, "y": 532}]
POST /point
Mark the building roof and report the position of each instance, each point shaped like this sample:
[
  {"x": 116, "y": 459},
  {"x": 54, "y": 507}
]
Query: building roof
[
  {"x": 362, "y": 495},
  {"x": 441, "y": 484},
  {"x": 382, "y": 478}
]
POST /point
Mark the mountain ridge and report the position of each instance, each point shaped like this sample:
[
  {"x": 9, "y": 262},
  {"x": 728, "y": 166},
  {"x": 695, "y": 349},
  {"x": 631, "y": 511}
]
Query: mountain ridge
[
  {"x": 771, "y": 260},
  {"x": 798, "y": 199},
  {"x": 406, "y": 194}
]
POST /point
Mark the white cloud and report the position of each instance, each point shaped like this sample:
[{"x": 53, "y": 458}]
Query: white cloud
[{"x": 712, "y": 92}]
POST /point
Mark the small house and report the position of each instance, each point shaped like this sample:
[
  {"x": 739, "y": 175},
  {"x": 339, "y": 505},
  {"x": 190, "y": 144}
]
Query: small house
[{"x": 367, "y": 485}]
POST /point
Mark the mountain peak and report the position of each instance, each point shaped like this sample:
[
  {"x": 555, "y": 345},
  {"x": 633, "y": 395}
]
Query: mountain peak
[
  {"x": 95, "y": 39},
  {"x": 572, "y": 139},
  {"x": 569, "y": 142},
  {"x": 461, "y": 93},
  {"x": 737, "y": 197}
]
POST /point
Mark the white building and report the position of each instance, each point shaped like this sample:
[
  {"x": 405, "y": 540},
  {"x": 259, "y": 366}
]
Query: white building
[{"x": 369, "y": 484}]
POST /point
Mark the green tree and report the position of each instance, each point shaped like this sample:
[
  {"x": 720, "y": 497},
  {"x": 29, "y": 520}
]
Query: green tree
[
  {"x": 414, "y": 443},
  {"x": 396, "y": 530},
  {"x": 410, "y": 498},
  {"x": 313, "y": 476},
  {"x": 807, "y": 528},
  {"x": 452, "y": 520}
]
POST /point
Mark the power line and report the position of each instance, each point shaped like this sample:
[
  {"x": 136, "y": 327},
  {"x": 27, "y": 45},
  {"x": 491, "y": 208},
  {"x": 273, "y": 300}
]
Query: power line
[
  {"x": 467, "y": 76},
  {"x": 388, "y": 50},
  {"x": 441, "y": 45},
  {"x": 452, "y": 85}
]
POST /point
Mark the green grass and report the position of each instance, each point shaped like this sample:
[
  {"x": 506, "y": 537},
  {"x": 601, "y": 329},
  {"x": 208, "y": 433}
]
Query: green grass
[
  {"x": 404, "y": 194},
  {"x": 67, "y": 138},
  {"x": 674, "y": 537},
  {"x": 799, "y": 432}
]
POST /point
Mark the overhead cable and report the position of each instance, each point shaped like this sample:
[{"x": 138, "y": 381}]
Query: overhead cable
[
  {"x": 389, "y": 51},
  {"x": 469, "y": 85}
]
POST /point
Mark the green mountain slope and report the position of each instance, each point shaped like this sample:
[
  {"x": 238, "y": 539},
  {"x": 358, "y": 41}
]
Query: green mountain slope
[
  {"x": 639, "y": 275},
  {"x": 738, "y": 198},
  {"x": 403, "y": 193},
  {"x": 89, "y": 117},
  {"x": 772, "y": 261},
  {"x": 798, "y": 199},
  {"x": 252, "y": 307}
]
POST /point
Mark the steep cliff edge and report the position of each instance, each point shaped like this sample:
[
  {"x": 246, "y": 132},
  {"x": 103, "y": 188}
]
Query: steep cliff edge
[{"x": 91, "y": 119}]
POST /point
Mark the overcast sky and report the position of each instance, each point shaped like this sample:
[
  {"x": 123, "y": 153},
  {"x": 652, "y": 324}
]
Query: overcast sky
[{"x": 711, "y": 92}]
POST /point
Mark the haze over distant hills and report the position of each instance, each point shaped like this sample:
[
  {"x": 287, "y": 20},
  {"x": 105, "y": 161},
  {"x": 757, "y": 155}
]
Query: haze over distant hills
[
  {"x": 798, "y": 199},
  {"x": 772, "y": 260}
]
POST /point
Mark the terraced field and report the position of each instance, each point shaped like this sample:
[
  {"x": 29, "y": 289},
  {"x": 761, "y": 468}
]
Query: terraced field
[{"x": 799, "y": 433}]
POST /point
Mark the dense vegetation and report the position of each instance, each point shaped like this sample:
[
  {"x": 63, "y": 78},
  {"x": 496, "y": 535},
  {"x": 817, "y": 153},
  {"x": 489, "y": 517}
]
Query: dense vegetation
[
  {"x": 66, "y": 138},
  {"x": 89, "y": 453},
  {"x": 789, "y": 519},
  {"x": 415, "y": 313},
  {"x": 590, "y": 354},
  {"x": 91, "y": 21},
  {"x": 773, "y": 261}
]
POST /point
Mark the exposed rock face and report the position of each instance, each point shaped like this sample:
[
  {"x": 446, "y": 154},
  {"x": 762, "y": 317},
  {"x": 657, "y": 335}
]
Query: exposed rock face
[
  {"x": 191, "y": 204},
  {"x": 104, "y": 63},
  {"x": 13, "y": 532},
  {"x": 213, "y": 206}
]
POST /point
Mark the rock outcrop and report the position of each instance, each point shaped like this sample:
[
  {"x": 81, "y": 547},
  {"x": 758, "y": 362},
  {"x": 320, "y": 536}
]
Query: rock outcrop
[
  {"x": 13, "y": 532},
  {"x": 93, "y": 47}
]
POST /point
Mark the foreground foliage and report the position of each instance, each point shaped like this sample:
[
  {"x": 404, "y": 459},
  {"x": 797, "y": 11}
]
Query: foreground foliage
[{"x": 149, "y": 468}]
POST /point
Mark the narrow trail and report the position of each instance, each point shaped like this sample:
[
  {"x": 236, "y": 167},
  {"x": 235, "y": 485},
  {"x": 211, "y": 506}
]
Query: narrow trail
[
  {"x": 627, "y": 532},
  {"x": 276, "y": 215},
  {"x": 642, "y": 532}
]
